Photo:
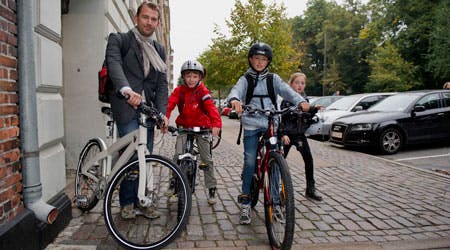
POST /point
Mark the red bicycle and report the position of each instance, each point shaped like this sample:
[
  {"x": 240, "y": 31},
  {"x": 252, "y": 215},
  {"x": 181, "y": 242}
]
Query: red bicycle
[{"x": 272, "y": 176}]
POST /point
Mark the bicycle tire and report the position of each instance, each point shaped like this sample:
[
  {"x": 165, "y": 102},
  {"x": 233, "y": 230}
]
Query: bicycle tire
[
  {"x": 85, "y": 186},
  {"x": 139, "y": 232},
  {"x": 280, "y": 229},
  {"x": 189, "y": 169}
]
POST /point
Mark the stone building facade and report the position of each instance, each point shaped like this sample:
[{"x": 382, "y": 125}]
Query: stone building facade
[{"x": 68, "y": 45}]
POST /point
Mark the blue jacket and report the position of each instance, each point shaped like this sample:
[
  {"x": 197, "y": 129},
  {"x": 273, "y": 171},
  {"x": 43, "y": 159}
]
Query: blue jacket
[{"x": 281, "y": 88}]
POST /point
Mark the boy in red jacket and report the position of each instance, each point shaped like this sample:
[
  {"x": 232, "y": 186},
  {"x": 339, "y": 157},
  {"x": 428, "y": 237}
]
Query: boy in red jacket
[{"x": 197, "y": 109}]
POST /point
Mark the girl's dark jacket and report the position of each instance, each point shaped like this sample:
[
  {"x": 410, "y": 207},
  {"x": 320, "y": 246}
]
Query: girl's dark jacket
[{"x": 295, "y": 123}]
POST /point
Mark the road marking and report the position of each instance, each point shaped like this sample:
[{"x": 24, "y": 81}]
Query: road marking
[{"x": 422, "y": 157}]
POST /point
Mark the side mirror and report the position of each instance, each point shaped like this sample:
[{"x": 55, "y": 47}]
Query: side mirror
[
  {"x": 419, "y": 108},
  {"x": 358, "y": 108}
]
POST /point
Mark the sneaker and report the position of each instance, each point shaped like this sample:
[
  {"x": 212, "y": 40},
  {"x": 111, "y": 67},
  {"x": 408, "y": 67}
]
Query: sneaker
[
  {"x": 212, "y": 196},
  {"x": 149, "y": 213},
  {"x": 245, "y": 219},
  {"x": 127, "y": 212},
  {"x": 278, "y": 214}
]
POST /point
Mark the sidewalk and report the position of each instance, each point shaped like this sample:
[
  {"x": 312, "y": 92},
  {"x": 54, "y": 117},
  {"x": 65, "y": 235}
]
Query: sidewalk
[{"x": 369, "y": 203}]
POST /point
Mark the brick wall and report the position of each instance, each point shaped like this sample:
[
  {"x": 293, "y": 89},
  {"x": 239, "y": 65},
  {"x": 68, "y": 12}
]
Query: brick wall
[{"x": 10, "y": 175}]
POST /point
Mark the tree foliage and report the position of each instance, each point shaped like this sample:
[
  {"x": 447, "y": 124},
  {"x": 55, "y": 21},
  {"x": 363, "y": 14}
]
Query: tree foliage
[
  {"x": 389, "y": 71},
  {"x": 226, "y": 58},
  {"x": 382, "y": 45}
]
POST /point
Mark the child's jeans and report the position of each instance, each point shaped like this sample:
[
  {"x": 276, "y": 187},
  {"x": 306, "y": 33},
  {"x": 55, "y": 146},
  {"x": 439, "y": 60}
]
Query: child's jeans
[{"x": 251, "y": 138}]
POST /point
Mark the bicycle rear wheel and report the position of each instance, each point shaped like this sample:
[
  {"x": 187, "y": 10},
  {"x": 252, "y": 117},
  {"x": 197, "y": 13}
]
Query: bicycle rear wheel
[
  {"x": 173, "y": 210},
  {"x": 87, "y": 186},
  {"x": 279, "y": 203}
]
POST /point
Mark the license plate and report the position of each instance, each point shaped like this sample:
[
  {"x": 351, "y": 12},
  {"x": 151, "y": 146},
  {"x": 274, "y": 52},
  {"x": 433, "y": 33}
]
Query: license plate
[{"x": 336, "y": 134}]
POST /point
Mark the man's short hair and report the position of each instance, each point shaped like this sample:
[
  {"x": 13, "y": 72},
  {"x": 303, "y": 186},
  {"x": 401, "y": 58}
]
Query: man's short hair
[{"x": 150, "y": 5}]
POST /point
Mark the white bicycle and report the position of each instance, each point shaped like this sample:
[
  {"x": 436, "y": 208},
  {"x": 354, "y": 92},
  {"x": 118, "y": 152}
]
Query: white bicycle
[{"x": 102, "y": 170}]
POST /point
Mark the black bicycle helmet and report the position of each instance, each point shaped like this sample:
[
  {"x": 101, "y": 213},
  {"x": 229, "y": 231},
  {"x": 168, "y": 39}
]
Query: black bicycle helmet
[{"x": 260, "y": 48}]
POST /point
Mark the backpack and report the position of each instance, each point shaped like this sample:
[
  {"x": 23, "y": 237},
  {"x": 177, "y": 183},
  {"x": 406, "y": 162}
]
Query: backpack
[
  {"x": 105, "y": 85},
  {"x": 251, "y": 84}
]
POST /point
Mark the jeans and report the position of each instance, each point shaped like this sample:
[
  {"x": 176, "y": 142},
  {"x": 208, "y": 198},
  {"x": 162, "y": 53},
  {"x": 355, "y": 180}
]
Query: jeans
[
  {"x": 251, "y": 138},
  {"x": 129, "y": 186}
]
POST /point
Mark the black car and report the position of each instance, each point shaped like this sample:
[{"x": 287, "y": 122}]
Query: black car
[{"x": 405, "y": 118}]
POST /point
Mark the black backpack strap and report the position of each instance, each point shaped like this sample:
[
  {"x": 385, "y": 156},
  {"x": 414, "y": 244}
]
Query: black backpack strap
[
  {"x": 271, "y": 90},
  {"x": 250, "y": 88}
]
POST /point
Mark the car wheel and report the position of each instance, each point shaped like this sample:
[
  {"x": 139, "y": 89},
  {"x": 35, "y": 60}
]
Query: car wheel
[{"x": 390, "y": 141}]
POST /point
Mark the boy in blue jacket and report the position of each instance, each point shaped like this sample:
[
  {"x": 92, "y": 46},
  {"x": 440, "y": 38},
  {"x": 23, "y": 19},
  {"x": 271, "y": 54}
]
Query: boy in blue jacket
[{"x": 254, "y": 125}]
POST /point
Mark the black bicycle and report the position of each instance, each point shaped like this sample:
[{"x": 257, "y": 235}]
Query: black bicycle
[{"x": 188, "y": 159}]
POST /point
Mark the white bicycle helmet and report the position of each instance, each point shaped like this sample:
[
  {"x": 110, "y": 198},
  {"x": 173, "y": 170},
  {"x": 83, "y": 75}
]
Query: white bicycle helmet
[{"x": 193, "y": 65}]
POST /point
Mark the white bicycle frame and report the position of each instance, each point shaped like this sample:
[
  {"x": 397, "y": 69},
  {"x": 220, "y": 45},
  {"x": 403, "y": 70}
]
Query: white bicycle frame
[{"x": 135, "y": 141}]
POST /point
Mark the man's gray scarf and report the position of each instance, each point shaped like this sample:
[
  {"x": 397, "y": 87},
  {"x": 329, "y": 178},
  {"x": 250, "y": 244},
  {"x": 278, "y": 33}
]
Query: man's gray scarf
[{"x": 150, "y": 54}]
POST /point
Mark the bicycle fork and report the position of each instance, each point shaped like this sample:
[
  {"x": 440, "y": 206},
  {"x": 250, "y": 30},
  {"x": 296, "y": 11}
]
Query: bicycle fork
[{"x": 145, "y": 173}]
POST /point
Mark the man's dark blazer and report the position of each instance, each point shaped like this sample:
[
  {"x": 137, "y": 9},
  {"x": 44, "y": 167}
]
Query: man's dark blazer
[{"x": 128, "y": 70}]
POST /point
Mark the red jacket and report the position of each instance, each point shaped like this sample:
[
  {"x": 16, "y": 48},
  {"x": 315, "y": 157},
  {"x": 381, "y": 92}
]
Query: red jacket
[{"x": 198, "y": 109}]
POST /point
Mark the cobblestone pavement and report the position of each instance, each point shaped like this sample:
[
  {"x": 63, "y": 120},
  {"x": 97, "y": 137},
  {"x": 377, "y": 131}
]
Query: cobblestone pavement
[{"x": 369, "y": 203}]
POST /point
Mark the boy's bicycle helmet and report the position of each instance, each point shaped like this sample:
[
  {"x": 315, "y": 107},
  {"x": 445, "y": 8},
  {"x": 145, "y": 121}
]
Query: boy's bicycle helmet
[
  {"x": 193, "y": 65},
  {"x": 260, "y": 48}
]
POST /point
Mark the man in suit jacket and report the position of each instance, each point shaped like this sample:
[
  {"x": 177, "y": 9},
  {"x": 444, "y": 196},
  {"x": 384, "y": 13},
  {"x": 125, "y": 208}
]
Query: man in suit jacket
[{"x": 140, "y": 68}]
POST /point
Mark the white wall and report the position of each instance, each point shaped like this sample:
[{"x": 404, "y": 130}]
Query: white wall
[
  {"x": 85, "y": 30},
  {"x": 48, "y": 55}
]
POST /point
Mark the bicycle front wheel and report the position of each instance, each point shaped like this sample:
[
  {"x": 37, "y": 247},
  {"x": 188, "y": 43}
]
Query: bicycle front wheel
[
  {"x": 87, "y": 186},
  {"x": 171, "y": 203},
  {"x": 279, "y": 203}
]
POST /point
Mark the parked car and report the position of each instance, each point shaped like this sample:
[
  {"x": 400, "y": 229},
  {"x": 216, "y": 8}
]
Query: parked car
[
  {"x": 344, "y": 106},
  {"x": 325, "y": 101},
  {"x": 405, "y": 118}
]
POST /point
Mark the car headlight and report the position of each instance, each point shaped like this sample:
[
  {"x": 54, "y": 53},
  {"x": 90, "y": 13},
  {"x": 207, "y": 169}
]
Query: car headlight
[{"x": 361, "y": 127}]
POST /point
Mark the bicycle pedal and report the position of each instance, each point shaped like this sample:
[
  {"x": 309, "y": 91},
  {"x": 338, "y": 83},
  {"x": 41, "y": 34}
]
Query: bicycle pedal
[
  {"x": 81, "y": 201},
  {"x": 203, "y": 166}
]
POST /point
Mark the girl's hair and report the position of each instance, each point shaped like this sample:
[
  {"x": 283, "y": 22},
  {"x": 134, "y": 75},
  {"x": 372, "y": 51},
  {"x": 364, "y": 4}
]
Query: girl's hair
[
  {"x": 446, "y": 85},
  {"x": 295, "y": 75}
]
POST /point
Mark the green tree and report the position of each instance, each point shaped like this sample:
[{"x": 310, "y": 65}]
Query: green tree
[
  {"x": 419, "y": 30},
  {"x": 226, "y": 58},
  {"x": 389, "y": 71},
  {"x": 305, "y": 29},
  {"x": 439, "y": 50}
]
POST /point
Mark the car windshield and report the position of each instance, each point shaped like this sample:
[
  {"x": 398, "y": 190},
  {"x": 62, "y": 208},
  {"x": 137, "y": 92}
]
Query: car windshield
[
  {"x": 344, "y": 103},
  {"x": 394, "y": 103}
]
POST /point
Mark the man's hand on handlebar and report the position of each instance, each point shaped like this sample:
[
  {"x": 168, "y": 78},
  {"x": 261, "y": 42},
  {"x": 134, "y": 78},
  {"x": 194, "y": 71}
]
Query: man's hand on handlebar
[
  {"x": 133, "y": 98},
  {"x": 164, "y": 125}
]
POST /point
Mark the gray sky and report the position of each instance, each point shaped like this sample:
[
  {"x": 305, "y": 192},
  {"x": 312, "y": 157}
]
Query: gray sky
[{"x": 192, "y": 24}]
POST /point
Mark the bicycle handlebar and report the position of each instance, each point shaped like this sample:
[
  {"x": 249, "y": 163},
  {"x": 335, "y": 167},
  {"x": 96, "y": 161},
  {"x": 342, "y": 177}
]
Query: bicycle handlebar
[
  {"x": 151, "y": 112},
  {"x": 196, "y": 130},
  {"x": 251, "y": 109}
]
